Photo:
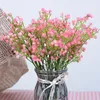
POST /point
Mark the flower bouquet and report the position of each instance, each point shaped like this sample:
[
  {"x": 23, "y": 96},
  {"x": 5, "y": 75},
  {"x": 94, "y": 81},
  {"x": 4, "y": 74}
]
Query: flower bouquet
[{"x": 50, "y": 44}]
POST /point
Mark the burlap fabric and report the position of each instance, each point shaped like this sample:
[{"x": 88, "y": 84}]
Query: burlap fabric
[{"x": 11, "y": 67}]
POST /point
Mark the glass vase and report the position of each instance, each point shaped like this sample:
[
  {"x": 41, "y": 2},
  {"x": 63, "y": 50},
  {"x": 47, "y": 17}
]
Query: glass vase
[{"x": 44, "y": 90}]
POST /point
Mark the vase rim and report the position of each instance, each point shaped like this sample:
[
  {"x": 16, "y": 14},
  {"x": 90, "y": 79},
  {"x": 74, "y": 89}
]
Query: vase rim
[{"x": 45, "y": 72}]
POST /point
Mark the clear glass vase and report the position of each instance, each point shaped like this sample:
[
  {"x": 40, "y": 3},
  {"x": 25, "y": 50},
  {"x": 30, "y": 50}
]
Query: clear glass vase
[{"x": 60, "y": 90}]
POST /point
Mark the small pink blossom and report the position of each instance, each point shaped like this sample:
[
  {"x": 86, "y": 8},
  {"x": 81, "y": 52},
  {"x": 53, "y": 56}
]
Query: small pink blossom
[
  {"x": 95, "y": 29},
  {"x": 4, "y": 14},
  {"x": 81, "y": 56},
  {"x": 34, "y": 47},
  {"x": 83, "y": 49},
  {"x": 44, "y": 35},
  {"x": 18, "y": 20},
  {"x": 65, "y": 47},
  {"x": 24, "y": 46},
  {"x": 65, "y": 35},
  {"x": 33, "y": 21},
  {"x": 50, "y": 11},
  {"x": 69, "y": 45},
  {"x": 74, "y": 22},
  {"x": 67, "y": 16},
  {"x": 30, "y": 29},
  {"x": 51, "y": 32},
  {"x": 89, "y": 15},
  {"x": 20, "y": 33},
  {"x": 35, "y": 58},
  {"x": 44, "y": 10},
  {"x": 95, "y": 37},
  {"x": 30, "y": 35},
  {"x": 86, "y": 42},
  {"x": 52, "y": 57}
]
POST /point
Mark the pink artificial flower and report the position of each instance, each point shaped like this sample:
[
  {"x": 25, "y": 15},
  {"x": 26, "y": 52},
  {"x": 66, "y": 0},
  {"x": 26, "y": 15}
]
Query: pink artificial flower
[
  {"x": 30, "y": 29},
  {"x": 23, "y": 46},
  {"x": 20, "y": 33},
  {"x": 30, "y": 35},
  {"x": 90, "y": 34},
  {"x": 89, "y": 15},
  {"x": 52, "y": 58},
  {"x": 81, "y": 56},
  {"x": 41, "y": 21},
  {"x": 75, "y": 41},
  {"x": 95, "y": 37},
  {"x": 43, "y": 51},
  {"x": 86, "y": 43},
  {"x": 74, "y": 22},
  {"x": 33, "y": 21},
  {"x": 18, "y": 20},
  {"x": 67, "y": 16},
  {"x": 11, "y": 40},
  {"x": 84, "y": 26},
  {"x": 33, "y": 41},
  {"x": 23, "y": 50},
  {"x": 83, "y": 49},
  {"x": 89, "y": 24},
  {"x": 50, "y": 11},
  {"x": 68, "y": 45},
  {"x": 34, "y": 47},
  {"x": 43, "y": 10},
  {"x": 65, "y": 47},
  {"x": 39, "y": 28},
  {"x": 77, "y": 54},
  {"x": 10, "y": 33},
  {"x": 79, "y": 19},
  {"x": 16, "y": 53},
  {"x": 70, "y": 57},
  {"x": 44, "y": 35},
  {"x": 72, "y": 52},
  {"x": 3, "y": 14},
  {"x": 78, "y": 42},
  {"x": 65, "y": 35},
  {"x": 51, "y": 32},
  {"x": 95, "y": 29},
  {"x": 55, "y": 42},
  {"x": 35, "y": 58},
  {"x": 3, "y": 37},
  {"x": 64, "y": 52},
  {"x": 72, "y": 43},
  {"x": 60, "y": 45},
  {"x": 26, "y": 42}
]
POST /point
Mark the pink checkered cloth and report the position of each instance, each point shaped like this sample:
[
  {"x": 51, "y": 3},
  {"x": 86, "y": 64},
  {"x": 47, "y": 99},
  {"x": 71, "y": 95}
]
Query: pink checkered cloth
[{"x": 28, "y": 95}]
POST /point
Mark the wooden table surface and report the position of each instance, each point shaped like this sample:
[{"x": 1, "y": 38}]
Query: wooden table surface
[{"x": 28, "y": 95}]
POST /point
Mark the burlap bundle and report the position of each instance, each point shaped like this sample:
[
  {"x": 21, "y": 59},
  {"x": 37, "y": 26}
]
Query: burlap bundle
[{"x": 11, "y": 67}]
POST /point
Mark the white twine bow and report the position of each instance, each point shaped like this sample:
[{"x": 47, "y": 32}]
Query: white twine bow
[{"x": 52, "y": 85}]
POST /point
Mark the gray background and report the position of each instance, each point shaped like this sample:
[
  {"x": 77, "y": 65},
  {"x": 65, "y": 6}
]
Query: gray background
[{"x": 83, "y": 76}]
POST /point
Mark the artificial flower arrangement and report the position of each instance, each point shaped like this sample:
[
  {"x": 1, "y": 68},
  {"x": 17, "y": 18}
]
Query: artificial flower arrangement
[{"x": 50, "y": 44}]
